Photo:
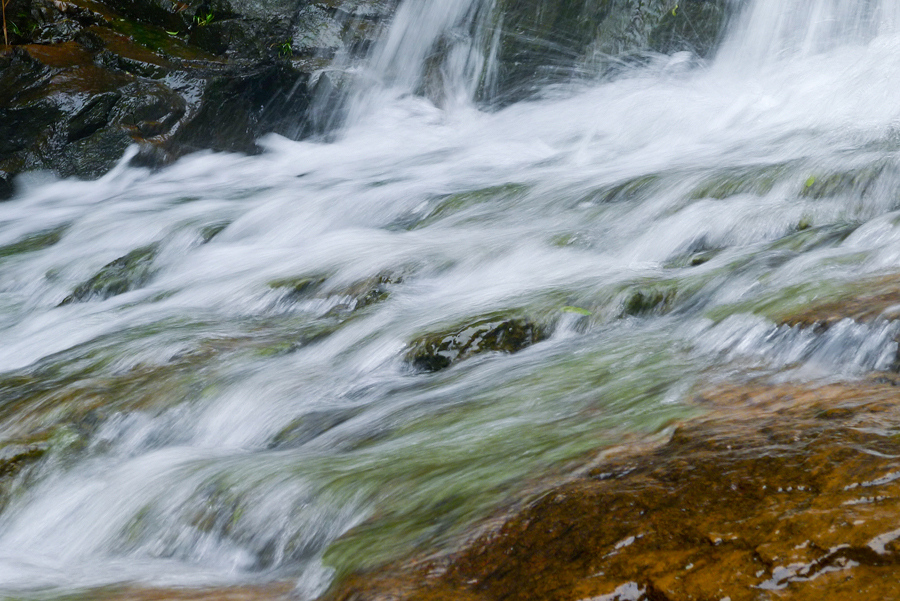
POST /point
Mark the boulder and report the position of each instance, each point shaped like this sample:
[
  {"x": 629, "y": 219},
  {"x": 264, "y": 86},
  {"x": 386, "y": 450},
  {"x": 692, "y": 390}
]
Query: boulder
[
  {"x": 84, "y": 80},
  {"x": 438, "y": 351},
  {"x": 547, "y": 41}
]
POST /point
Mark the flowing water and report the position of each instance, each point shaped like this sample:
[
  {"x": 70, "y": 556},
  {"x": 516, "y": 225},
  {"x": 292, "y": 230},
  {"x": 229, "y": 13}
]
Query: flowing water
[{"x": 237, "y": 406}]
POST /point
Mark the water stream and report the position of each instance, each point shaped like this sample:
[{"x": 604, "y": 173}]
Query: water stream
[{"x": 243, "y": 410}]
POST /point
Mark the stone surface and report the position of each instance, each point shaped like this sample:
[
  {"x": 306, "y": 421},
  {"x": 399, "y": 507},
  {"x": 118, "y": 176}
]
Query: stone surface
[
  {"x": 544, "y": 41},
  {"x": 438, "y": 351},
  {"x": 783, "y": 492},
  {"x": 85, "y": 79}
]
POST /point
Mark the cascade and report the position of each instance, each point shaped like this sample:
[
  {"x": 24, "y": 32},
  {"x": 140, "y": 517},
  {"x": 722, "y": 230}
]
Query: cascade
[
  {"x": 289, "y": 366},
  {"x": 771, "y": 30}
]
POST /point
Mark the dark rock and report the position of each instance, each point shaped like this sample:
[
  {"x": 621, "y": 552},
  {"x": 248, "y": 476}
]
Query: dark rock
[
  {"x": 695, "y": 26},
  {"x": 237, "y": 108},
  {"x": 93, "y": 116},
  {"x": 7, "y": 186},
  {"x": 650, "y": 300},
  {"x": 546, "y": 41},
  {"x": 125, "y": 273},
  {"x": 493, "y": 334}
]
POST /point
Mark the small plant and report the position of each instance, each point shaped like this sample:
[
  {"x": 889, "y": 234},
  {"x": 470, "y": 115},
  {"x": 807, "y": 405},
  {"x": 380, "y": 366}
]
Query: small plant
[
  {"x": 203, "y": 20},
  {"x": 285, "y": 49}
]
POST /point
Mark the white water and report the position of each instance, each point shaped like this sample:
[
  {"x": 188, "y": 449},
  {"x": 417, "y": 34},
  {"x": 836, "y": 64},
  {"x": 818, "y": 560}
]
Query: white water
[{"x": 164, "y": 404}]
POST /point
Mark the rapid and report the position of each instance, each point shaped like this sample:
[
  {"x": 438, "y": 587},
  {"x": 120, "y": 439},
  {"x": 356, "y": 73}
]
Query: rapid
[{"x": 240, "y": 414}]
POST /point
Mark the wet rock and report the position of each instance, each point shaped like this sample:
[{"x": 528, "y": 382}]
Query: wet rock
[
  {"x": 308, "y": 427},
  {"x": 553, "y": 40},
  {"x": 238, "y": 107},
  {"x": 33, "y": 242},
  {"x": 117, "y": 277},
  {"x": 863, "y": 302},
  {"x": 85, "y": 79},
  {"x": 647, "y": 301},
  {"x": 785, "y": 492},
  {"x": 13, "y": 458},
  {"x": 757, "y": 181},
  {"x": 298, "y": 287},
  {"x": 7, "y": 185},
  {"x": 438, "y": 351},
  {"x": 856, "y": 182},
  {"x": 694, "y": 25}
]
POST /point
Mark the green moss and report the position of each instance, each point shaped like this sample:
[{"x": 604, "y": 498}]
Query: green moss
[
  {"x": 638, "y": 188},
  {"x": 126, "y": 273},
  {"x": 455, "y": 203},
  {"x": 756, "y": 180},
  {"x": 646, "y": 301},
  {"x": 856, "y": 182},
  {"x": 33, "y": 242},
  {"x": 298, "y": 287},
  {"x": 438, "y": 351}
]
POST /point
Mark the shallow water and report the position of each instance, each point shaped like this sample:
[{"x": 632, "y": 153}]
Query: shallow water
[{"x": 217, "y": 423}]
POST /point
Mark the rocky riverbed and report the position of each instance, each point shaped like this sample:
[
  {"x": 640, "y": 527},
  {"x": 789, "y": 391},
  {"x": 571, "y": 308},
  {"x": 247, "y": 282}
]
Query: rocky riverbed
[{"x": 782, "y": 492}]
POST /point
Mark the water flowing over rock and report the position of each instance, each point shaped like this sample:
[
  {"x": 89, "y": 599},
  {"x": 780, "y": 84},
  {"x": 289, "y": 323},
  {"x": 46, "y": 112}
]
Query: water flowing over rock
[{"x": 449, "y": 300}]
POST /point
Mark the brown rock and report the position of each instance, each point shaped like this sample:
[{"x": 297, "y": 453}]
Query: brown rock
[{"x": 784, "y": 492}]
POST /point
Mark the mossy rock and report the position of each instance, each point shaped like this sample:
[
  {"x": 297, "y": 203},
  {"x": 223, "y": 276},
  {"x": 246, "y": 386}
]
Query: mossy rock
[
  {"x": 435, "y": 352},
  {"x": 126, "y": 273},
  {"x": 309, "y": 426},
  {"x": 372, "y": 290},
  {"x": 648, "y": 301},
  {"x": 453, "y": 204},
  {"x": 638, "y": 188},
  {"x": 856, "y": 182},
  {"x": 299, "y": 287},
  {"x": 358, "y": 295},
  {"x": 33, "y": 242},
  {"x": 15, "y": 457},
  {"x": 208, "y": 232},
  {"x": 755, "y": 180}
]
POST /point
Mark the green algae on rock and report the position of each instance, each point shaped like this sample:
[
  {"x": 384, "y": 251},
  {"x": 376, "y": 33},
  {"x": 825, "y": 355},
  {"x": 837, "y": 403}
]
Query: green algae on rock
[
  {"x": 126, "y": 273},
  {"x": 435, "y": 352},
  {"x": 783, "y": 492}
]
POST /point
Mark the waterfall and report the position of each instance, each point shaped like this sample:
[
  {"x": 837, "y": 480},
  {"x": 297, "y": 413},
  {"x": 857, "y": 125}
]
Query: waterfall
[
  {"x": 244, "y": 403},
  {"x": 774, "y": 30},
  {"x": 431, "y": 48}
]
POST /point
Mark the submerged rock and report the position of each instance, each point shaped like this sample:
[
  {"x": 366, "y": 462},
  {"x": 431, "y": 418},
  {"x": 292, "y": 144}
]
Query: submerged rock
[
  {"x": 435, "y": 352},
  {"x": 862, "y": 302},
  {"x": 647, "y": 301},
  {"x": 122, "y": 275},
  {"x": 786, "y": 492}
]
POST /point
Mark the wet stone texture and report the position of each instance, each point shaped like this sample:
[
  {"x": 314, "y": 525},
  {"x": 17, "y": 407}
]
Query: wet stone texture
[
  {"x": 880, "y": 299},
  {"x": 435, "y": 352},
  {"x": 783, "y": 492},
  {"x": 82, "y": 80}
]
